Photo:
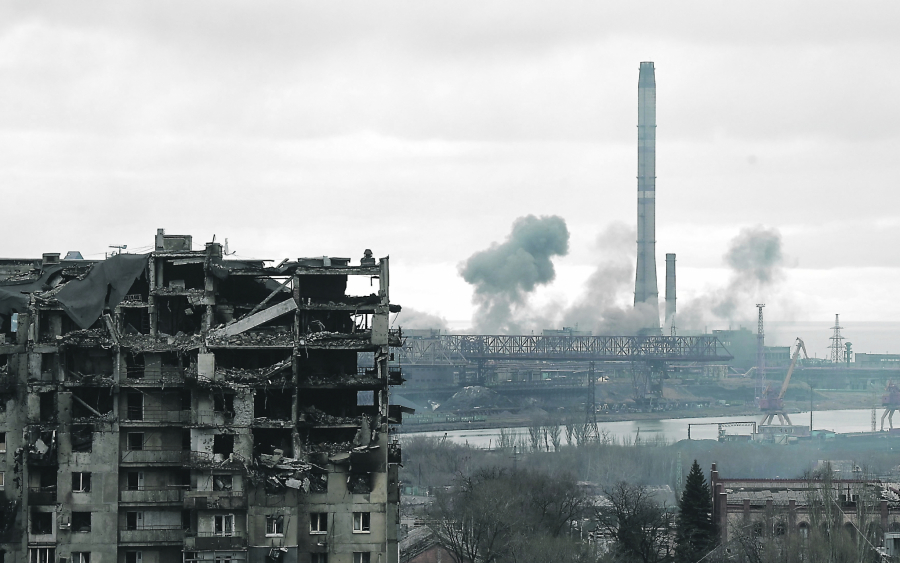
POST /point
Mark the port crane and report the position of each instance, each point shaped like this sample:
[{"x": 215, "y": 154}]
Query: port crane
[
  {"x": 771, "y": 404},
  {"x": 891, "y": 402}
]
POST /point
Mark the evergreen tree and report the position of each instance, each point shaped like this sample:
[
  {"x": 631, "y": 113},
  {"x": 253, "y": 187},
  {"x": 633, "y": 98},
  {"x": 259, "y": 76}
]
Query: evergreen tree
[{"x": 695, "y": 531}]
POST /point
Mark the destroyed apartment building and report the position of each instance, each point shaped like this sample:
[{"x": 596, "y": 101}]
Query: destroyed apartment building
[{"x": 181, "y": 406}]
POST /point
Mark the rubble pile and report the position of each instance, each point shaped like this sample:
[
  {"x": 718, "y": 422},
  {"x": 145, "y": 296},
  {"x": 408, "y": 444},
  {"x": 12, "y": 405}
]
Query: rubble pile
[
  {"x": 142, "y": 343},
  {"x": 281, "y": 336}
]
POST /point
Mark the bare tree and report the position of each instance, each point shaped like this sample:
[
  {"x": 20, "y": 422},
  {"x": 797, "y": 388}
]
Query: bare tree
[
  {"x": 554, "y": 431},
  {"x": 640, "y": 526}
]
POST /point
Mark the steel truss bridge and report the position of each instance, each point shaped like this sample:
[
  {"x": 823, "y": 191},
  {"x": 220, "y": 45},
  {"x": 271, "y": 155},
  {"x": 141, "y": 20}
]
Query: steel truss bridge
[{"x": 468, "y": 348}]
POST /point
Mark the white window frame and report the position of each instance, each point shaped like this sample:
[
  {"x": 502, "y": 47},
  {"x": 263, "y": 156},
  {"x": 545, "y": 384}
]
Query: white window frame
[
  {"x": 41, "y": 555},
  {"x": 362, "y": 522},
  {"x": 138, "y": 520},
  {"x": 80, "y": 488},
  {"x": 140, "y": 480},
  {"x": 225, "y": 525},
  {"x": 275, "y": 526},
  {"x": 362, "y": 557},
  {"x": 81, "y": 557},
  {"x": 138, "y": 556},
  {"x": 318, "y": 522},
  {"x": 2, "y": 480}
]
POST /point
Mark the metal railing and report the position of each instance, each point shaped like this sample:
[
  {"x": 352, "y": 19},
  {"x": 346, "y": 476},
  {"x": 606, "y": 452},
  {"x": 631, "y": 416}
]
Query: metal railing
[
  {"x": 150, "y": 534},
  {"x": 153, "y": 495},
  {"x": 211, "y": 417},
  {"x": 156, "y": 414},
  {"x": 453, "y": 349},
  {"x": 155, "y": 373},
  {"x": 42, "y": 495},
  {"x": 154, "y": 455}
]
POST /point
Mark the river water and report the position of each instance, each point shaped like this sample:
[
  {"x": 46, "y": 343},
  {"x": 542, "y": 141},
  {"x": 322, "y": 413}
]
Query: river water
[{"x": 675, "y": 429}]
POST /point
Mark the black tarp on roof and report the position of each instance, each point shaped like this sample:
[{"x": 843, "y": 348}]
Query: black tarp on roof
[
  {"x": 14, "y": 296},
  {"x": 104, "y": 286}
]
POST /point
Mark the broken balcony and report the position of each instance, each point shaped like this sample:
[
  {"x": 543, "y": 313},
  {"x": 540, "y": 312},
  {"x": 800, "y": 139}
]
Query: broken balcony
[
  {"x": 153, "y": 495},
  {"x": 215, "y": 500},
  {"x": 162, "y": 416},
  {"x": 165, "y": 534},
  {"x": 214, "y": 541},
  {"x": 153, "y": 455},
  {"x": 42, "y": 495}
]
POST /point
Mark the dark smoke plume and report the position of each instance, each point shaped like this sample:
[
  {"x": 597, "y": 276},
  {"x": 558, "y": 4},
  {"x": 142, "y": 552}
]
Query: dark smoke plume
[{"x": 504, "y": 274}]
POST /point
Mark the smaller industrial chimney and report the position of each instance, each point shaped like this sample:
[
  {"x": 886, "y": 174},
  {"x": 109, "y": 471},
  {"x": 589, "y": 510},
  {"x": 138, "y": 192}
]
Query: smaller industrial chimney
[{"x": 670, "y": 292}]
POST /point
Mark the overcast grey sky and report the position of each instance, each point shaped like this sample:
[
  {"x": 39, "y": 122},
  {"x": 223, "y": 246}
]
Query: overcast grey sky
[{"x": 424, "y": 129}]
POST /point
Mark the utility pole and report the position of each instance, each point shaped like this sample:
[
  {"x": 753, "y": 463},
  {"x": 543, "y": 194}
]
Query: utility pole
[{"x": 837, "y": 342}]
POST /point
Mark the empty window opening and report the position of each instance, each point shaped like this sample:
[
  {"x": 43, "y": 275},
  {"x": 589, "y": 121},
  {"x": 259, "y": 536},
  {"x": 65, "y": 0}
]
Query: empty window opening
[
  {"x": 135, "y": 480},
  {"x": 223, "y": 444},
  {"x": 361, "y": 523},
  {"x": 81, "y": 557},
  {"x": 268, "y": 440},
  {"x": 359, "y": 483},
  {"x": 186, "y": 403},
  {"x": 333, "y": 402},
  {"x": 318, "y": 522},
  {"x": 134, "y": 520},
  {"x": 91, "y": 402},
  {"x": 275, "y": 525},
  {"x": 81, "y": 482},
  {"x": 176, "y": 314},
  {"x": 82, "y": 437},
  {"x": 41, "y": 522},
  {"x": 135, "y": 407},
  {"x": 135, "y": 441},
  {"x": 48, "y": 406},
  {"x": 133, "y": 557},
  {"x": 224, "y": 403},
  {"x": 2, "y": 442},
  {"x": 318, "y": 558},
  {"x": 81, "y": 364},
  {"x": 318, "y": 481},
  {"x": 223, "y": 482},
  {"x": 81, "y": 521},
  {"x": 273, "y": 404},
  {"x": 223, "y": 524},
  {"x": 135, "y": 320},
  {"x": 365, "y": 398}
]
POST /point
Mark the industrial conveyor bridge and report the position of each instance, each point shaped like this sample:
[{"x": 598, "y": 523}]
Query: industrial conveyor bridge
[{"x": 466, "y": 348}]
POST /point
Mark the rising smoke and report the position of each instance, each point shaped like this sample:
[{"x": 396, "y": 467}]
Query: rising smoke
[
  {"x": 605, "y": 307},
  {"x": 504, "y": 274},
  {"x": 756, "y": 260}
]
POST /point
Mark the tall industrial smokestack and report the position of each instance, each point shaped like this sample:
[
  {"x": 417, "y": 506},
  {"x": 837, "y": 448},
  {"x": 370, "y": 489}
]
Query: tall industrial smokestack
[
  {"x": 670, "y": 293},
  {"x": 645, "y": 288}
]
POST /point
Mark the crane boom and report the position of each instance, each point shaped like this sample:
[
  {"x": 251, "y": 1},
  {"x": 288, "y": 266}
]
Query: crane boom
[{"x": 800, "y": 346}]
